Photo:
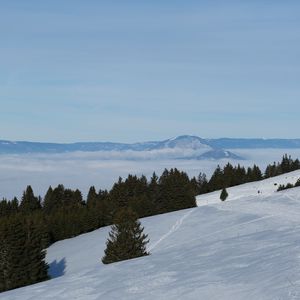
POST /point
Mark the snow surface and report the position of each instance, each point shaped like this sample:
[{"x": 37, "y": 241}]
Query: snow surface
[{"x": 247, "y": 247}]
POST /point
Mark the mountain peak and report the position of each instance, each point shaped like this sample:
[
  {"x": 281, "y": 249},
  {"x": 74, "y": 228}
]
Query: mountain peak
[{"x": 186, "y": 141}]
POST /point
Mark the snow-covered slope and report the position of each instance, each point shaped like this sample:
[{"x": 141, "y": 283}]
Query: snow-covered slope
[
  {"x": 257, "y": 189},
  {"x": 247, "y": 247}
]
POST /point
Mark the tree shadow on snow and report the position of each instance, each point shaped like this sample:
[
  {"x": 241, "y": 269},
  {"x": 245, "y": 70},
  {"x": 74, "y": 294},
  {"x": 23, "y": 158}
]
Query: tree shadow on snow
[{"x": 57, "y": 268}]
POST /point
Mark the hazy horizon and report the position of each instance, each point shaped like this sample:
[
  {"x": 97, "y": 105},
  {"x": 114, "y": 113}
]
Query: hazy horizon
[{"x": 142, "y": 141}]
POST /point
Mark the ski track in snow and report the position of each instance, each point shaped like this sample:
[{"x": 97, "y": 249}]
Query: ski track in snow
[{"x": 174, "y": 228}]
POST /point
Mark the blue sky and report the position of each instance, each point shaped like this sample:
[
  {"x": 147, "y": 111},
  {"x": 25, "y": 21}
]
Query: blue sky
[{"x": 143, "y": 70}]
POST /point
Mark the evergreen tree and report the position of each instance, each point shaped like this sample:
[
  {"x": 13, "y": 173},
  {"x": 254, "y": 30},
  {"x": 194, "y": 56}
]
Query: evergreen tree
[
  {"x": 228, "y": 175},
  {"x": 29, "y": 202},
  {"x": 78, "y": 199},
  {"x": 240, "y": 175},
  {"x": 72, "y": 199},
  {"x": 176, "y": 191},
  {"x": 47, "y": 204},
  {"x": 12, "y": 250},
  {"x": 271, "y": 170},
  {"x": 54, "y": 199},
  {"x": 4, "y": 208},
  {"x": 202, "y": 183},
  {"x": 92, "y": 197},
  {"x": 126, "y": 239},
  {"x": 296, "y": 165},
  {"x": 21, "y": 254},
  {"x": 14, "y": 205},
  {"x": 257, "y": 173},
  {"x": 118, "y": 196},
  {"x": 286, "y": 164},
  {"x": 153, "y": 193},
  {"x": 217, "y": 179},
  {"x": 36, "y": 267},
  {"x": 224, "y": 194}
]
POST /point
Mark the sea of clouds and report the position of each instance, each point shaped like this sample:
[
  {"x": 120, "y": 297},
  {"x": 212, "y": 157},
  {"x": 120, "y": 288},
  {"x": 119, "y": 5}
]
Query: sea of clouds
[{"x": 102, "y": 169}]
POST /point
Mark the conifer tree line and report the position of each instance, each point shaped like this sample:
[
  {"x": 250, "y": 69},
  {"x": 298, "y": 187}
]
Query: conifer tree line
[
  {"x": 226, "y": 177},
  {"x": 286, "y": 165},
  {"x": 231, "y": 176},
  {"x": 30, "y": 225},
  {"x": 63, "y": 213},
  {"x": 283, "y": 187}
]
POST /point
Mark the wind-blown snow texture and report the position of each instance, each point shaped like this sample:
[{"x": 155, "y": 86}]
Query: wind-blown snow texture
[{"x": 247, "y": 247}]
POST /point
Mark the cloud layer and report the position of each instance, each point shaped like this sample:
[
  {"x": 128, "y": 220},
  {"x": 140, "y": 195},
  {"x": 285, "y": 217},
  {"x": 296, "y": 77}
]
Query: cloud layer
[{"x": 81, "y": 170}]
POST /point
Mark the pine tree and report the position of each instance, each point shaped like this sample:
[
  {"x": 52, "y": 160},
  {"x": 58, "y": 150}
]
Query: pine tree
[
  {"x": 153, "y": 194},
  {"x": 21, "y": 253},
  {"x": 54, "y": 199},
  {"x": 36, "y": 267},
  {"x": 202, "y": 183},
  {"x": 176, "y": 191},
  {"x": 296, "y": 164},
  {"x": 217, "y": 179},
  {"x": 29, "y": 202},
  {"x": 48, "y": 200},
  {"x": 224, "y": 194},
  {"x": 14, "y": 205},
  {"x": 92, "y": 197},
  {"x": 12, "y": 254},
  {"x": 126, "y": 239}
]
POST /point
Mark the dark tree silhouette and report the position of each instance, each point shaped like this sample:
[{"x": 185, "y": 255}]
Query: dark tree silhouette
[
  {"x": 224, "y": 194},
  {"x": 126, "y": 239}
]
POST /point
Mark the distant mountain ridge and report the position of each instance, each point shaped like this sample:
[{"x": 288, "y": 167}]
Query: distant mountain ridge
[
  {"x": 183, "y": 142},
  {"x": 184, "y": 146},
  {"x": 244, "y": 143}
]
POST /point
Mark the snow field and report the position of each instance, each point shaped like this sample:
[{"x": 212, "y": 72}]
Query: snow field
[{"x": 247, "y": 247}]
